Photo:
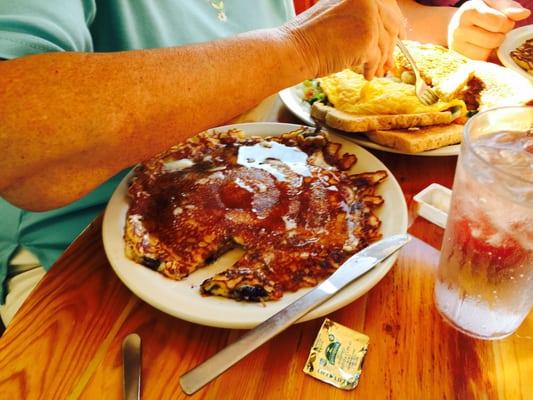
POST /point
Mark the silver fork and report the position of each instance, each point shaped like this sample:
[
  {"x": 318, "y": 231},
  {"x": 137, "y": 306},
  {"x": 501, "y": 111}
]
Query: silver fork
[{"x": 424, "y": 92}]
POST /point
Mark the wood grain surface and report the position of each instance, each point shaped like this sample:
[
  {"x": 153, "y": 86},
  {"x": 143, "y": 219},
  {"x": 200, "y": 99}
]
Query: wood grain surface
[{"x": 65, "y": 342}]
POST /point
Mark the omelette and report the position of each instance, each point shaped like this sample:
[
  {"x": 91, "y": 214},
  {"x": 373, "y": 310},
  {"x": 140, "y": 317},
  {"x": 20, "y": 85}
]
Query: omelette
[
  {"x": 287, "y": 201},
  {"x": 352, "y": 104},
  {"x": 350, "y": 92}
]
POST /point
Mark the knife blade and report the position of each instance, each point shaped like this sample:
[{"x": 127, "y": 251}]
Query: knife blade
[{"x": 351, "y": 269}]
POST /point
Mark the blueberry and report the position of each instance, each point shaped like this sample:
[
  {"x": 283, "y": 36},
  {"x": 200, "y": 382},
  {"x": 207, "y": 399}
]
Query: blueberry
[
  {"x": 151, "y": 263},
  {"x": 248, "y": 292}
]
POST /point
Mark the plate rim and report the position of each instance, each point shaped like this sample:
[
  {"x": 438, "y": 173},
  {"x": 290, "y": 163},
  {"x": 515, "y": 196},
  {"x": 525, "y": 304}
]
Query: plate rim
[
  {"x": 109, "y": 225},
  {"x": 287, "y": 97}
]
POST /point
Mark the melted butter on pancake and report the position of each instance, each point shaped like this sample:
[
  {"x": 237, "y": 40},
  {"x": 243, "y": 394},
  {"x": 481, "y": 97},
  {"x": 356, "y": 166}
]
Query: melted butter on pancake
[{"x": 262, "y": 157}]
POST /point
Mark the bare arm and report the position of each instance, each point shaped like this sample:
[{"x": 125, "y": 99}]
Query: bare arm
[
  {"x": 427, "y": 24},
  {"x": 69, "y": 121}
]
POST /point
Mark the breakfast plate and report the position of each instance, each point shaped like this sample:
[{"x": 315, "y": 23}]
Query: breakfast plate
[
  {"x": 513, "y": 40},
  {"x": 182, "y": 299},
  {"x": 292, "y": 98},
  {"x": 505, "y": 87}
]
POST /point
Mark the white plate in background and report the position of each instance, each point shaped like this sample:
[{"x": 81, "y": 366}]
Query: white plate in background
[
  {"x": 512, "y": 86},
  {"x": 513, "y": 40},
  {"x": 292, "y": 98}
]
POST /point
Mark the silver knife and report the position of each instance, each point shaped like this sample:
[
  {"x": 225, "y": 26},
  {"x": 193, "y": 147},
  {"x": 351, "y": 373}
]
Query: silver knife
[
  {"x": 353, "y": 268},
  {"x": 131, "y": 357}
]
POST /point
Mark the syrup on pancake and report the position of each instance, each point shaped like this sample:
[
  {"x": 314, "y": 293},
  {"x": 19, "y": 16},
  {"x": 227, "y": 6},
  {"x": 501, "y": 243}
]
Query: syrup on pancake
[{"x": 286, "y": 200}]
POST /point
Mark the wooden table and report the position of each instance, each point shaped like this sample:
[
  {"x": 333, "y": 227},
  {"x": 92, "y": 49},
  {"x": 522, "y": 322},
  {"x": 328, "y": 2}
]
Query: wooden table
[{"x": 65, "y": 342}]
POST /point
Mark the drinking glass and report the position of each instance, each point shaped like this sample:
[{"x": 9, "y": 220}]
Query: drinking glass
[{"x": 484, "y": 283}]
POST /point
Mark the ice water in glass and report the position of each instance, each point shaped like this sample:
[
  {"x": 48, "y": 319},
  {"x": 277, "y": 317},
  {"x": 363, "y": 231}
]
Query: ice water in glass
[{"x": 484, "y": 284}]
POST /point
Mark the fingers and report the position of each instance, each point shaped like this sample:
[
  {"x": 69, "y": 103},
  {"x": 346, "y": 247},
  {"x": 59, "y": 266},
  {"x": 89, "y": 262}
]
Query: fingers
[
  {"x": 348, "y": 33},
  {"x": 392, "y": 26},
  {"x": 387, "y": 59},
  {"x": 383, "y": 59},
  {"x": 471, "y": 51},
  {"x": 369, "y": 70},
  {"x": 510, "y": 9},
  {"x": 480, "y": 26},
  {"x": 402, "y": 34},
  {"x": 385, "y": 50},
  {"x": 374, "y": 56},
  {"x": 485, "y": 17},
  {"x": 480, "y": 37}
]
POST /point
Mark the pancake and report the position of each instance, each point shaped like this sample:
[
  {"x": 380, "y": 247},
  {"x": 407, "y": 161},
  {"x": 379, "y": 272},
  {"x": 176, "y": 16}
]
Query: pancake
[{"x": 287, "y": 201}]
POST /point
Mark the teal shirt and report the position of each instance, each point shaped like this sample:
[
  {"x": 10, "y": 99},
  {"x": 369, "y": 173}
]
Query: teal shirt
[{"x": 37, "y": 26}]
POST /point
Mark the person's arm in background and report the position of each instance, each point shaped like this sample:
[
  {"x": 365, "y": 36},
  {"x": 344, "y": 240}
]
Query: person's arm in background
[
  {"x": 69, "y": 121},
  {"x": 475, "y": 29}
]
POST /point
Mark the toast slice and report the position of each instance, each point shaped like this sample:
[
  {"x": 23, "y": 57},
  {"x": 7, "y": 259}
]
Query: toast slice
[
  {"x": 502, "y": 86},
  {"x": 363, "y": 123},
  {"x": 445, "y": 70},
  {"x": 418, "y": 140}
]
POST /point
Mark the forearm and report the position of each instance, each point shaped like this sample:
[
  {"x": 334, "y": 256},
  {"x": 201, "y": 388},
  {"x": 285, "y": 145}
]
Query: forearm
[
  {"x": 68, "y": 121},
  {"x": 426, "y": 24}
]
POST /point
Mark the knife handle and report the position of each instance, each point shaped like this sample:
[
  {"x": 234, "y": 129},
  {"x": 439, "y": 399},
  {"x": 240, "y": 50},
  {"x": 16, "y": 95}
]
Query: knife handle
[
  {"x": 251, "y": 340},
  {"x": 131, "y": 356}
]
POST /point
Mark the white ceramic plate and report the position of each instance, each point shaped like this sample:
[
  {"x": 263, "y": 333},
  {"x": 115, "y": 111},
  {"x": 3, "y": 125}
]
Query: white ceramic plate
[
  {"x": 514, "y": 90},
  {"x": 513, "y": 40},
  {"x": 292, "y": 98},
  {"x": 182, "y": 299}
]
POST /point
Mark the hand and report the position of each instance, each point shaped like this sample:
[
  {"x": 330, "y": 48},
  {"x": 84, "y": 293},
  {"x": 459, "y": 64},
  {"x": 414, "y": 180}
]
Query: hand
[
  {"x": 338, "y": 34},
  {"x": 479, "y": 26}
]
